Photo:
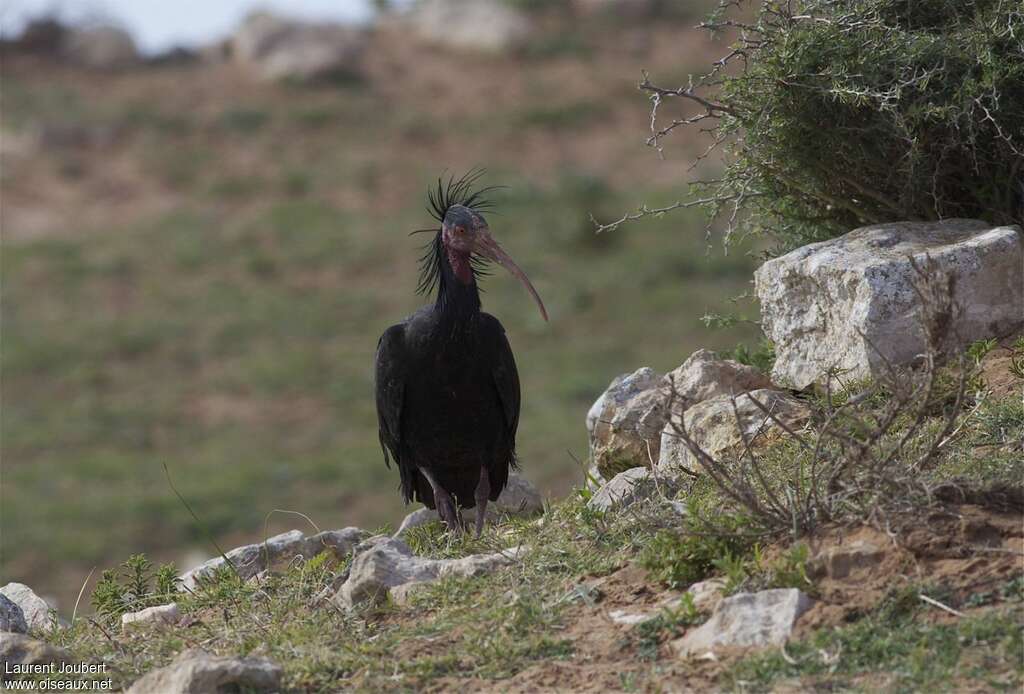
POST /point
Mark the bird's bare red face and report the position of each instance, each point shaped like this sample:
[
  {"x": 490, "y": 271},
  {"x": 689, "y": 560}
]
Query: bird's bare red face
[{"x": 465, "y": 232}]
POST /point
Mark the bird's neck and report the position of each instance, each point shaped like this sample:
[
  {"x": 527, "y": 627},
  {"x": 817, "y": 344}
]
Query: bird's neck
[{"x": 457, "y": 295}]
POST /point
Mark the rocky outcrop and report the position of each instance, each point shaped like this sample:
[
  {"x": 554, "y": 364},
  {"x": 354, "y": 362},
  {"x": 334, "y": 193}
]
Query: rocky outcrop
[
  {"x": 485, "y": 26},
  {"x": 712, "y": 425},
  {"x": 627, "y": 422},
  {"x": 383, "y": 563},
  {"x": 37, "y": 614},
  {"x": 195, "y": 671},
  {"x": 100, "y": 47},
  {"x": 276, "y": 48},
  {"x": 158, "y": 616},
  {"x": 12, "y": 619},
  {"x": 278, "y": 551},
  {"x": 746, "y": 620},
  {"x": 18, "y": 649},
  {"x": 850, "y": 304}
]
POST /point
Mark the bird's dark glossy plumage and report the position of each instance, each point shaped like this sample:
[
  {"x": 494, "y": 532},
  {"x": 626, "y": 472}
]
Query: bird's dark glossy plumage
[{"x": 447, "y": 388}]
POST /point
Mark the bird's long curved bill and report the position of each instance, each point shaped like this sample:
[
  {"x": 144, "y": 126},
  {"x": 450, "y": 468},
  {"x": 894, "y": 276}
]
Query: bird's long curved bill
[{"x": 489, "y": 248}]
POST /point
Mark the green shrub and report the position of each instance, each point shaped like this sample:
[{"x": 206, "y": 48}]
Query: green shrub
[
  {"x": 136, "y": 586},
  {"x": 681, "y": 558},
  {"x": 839, "y": 113}
]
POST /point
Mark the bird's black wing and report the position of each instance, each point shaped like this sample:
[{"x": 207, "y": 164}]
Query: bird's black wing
[
  {"x": 390, "y": 386},
  {"x": 506, "y": 378}
]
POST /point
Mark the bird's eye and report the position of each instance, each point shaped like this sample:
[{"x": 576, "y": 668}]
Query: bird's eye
[{"x": 460, "y": 230}]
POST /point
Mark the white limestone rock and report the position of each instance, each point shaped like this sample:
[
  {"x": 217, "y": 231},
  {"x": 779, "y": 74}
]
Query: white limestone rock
[
  {"x": 194, "y": 671},
  {"x": 627, "y": 618},
  {"x": 415, "y": 519},
  {"x": 622, "y": 389},
  {"x": 277, "y": 552},
  {"x": 159, "y": 616},
  {"x": 624, "y": 490},
  {"x": 746, "y": 620},
  {"x": 712, "y": 425},
  {"x": 849, "y": 303},
  {"x": 383, "y": 563},
  {"x": 37, "y": 614},
  {"x": 627, "y": 431}
]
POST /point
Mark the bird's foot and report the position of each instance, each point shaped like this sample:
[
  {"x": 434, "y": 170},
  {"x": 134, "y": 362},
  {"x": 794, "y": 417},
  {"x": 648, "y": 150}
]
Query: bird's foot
[
  {"x": 444, "y": 503},
  {"x": 449, "y": 513}
]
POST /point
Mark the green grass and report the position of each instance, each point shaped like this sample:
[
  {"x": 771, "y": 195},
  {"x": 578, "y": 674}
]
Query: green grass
[{"x": 488, "y": 627}]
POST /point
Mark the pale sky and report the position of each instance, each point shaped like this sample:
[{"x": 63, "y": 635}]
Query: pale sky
[{"x": 161, "y": 24}]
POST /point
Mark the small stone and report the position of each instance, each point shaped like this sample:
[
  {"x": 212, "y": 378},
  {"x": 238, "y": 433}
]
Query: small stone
[
  {"x": 38, "y": 615},
  {"x": 519, "y": 497},
  {"x": 625, "y": 489},
  {"x": 158, "y": 616},
  {"x": 417, "y": 518},
  {"x": 194, "y": 671},
  {"x": 746, "y": 620},
  {"x": 12, "y": 619},
  {"x": 626, "y": 617},
  {"x": 277, "y": 552},
  {"x": 383, "y": 562}
]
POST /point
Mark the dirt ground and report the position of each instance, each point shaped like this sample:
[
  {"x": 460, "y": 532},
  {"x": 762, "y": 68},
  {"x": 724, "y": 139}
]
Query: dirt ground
[{"x": 969, "y": 549}]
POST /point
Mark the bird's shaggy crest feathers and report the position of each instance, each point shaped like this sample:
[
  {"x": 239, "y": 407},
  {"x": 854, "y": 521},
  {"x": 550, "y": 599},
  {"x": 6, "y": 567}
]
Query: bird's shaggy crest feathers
[{"x": 454, "y": 191}]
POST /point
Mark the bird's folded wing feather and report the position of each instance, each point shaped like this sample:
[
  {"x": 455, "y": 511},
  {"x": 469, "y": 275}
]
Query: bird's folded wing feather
[
  {"x": 390, "y": 389},
  {"x": 506, "y": 380}
]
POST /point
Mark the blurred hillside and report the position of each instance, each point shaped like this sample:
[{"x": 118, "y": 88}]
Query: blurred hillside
[{"x": 197, "y": 264}]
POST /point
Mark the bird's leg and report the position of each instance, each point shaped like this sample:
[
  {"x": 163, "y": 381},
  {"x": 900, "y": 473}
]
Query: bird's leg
[
  {"x": 445, "y": 504},
  {"x": 482, "y": 493}
]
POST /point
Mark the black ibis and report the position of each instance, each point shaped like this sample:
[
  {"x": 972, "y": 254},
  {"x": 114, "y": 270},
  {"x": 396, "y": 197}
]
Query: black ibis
[{"x": 446, "y": 382}]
